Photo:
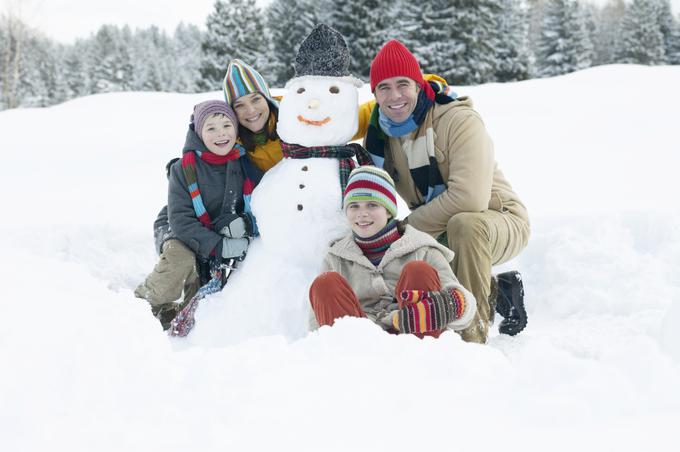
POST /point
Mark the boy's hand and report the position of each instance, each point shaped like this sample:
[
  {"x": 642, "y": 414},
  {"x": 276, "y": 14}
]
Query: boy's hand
[
  {"x": 235, "y": 229},
  {"x": 425, "y": 311},
  {"x": 234, "y": 248}
]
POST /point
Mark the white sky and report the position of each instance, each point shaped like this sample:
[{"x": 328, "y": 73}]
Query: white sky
[{"x": 66, "y": 20}]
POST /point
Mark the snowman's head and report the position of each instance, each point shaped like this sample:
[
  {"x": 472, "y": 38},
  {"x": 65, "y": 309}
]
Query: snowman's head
[{"x": 319, "y": 111}]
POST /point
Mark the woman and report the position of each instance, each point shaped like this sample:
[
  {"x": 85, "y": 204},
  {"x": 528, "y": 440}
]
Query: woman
[{"x": 257, "y": 111}]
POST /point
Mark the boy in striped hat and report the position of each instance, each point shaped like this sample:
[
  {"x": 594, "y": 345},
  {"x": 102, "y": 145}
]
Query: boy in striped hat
[
  {"x": 391, "y": 273},
  {"x": 208, "y": 208}
]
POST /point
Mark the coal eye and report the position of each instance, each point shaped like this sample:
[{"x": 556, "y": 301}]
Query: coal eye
[
  {"x": 334, "y": 89},
  {"x": 300, "y": 90}
]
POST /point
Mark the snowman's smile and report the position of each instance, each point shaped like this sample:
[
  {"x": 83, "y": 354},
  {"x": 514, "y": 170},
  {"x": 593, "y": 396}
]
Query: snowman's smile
[{"x": 313, "y": 122}]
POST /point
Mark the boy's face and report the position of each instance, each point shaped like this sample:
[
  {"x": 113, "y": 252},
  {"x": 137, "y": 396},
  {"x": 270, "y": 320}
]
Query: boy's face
[
  {"x": 252, "y": 111},
  {"x": 366, "y": 218},
  {"x": 218, "y": 134}
]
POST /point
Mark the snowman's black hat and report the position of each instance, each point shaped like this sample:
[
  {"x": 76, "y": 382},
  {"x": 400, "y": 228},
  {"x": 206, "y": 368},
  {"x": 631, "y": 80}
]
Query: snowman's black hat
[{"x": 324, "y": 52}]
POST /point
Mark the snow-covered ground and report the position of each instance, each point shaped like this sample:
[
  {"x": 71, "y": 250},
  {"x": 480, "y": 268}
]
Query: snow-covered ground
[{"x": 85, "y": 367}]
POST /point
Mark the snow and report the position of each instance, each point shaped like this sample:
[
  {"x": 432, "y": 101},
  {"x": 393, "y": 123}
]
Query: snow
[{"x": 86, "y": 367}]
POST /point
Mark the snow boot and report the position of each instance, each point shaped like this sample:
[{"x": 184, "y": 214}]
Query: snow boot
[
  {"x": 510, "y": 303},
  {"x": 493, "y": 298},
  {"x": 165, "y": 313}
]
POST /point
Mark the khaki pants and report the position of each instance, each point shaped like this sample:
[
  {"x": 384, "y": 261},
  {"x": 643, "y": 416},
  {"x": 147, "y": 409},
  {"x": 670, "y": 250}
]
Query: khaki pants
[
  {"x": 332, "y": 297},
  {"x": 174, "y": 273},
  {"x": 481, "y": 240}
]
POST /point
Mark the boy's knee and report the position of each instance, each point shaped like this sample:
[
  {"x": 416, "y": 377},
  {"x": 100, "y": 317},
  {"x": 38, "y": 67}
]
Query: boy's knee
[
  {"x": 327, "y": 280},
  {"x": 418, "y": 268},
  {"x": 178, "y": 255},
  {"x": 467, "y": 227}
]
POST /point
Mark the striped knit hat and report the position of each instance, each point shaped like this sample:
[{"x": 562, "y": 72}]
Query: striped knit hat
[
  {"x": 241, "y": 79},
  {"x": 370, "y": 183}
]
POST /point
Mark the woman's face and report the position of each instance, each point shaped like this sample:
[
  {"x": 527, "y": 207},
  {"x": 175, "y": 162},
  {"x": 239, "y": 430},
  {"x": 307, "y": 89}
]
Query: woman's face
[
  {"x": 366, "y": 218},
  {"x": 252, "y": 111}
]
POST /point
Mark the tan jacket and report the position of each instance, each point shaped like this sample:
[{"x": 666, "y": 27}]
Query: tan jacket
[
  {"x": 465, "y": 156},
  {"x": 374, "y": 286}
]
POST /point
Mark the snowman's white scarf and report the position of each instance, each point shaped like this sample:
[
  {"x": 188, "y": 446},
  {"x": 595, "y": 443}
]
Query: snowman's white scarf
[{"x": 344, "y": 155}]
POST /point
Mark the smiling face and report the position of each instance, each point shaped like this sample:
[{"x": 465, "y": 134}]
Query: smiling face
[
  {"x": 366, "y": 218},
  {"x": 218, "y": 134},
  {"x": 318, "y": 111},
  {"x": 397, "y": 97},
  {"x": 252, "y": 111}
]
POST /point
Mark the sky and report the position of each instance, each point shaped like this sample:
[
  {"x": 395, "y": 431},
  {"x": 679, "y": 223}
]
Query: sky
[{"x": 66, "y": 20}]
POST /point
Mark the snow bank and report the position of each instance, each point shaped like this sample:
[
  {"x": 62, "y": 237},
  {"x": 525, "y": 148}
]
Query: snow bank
[{"x": 86, "y": 367}]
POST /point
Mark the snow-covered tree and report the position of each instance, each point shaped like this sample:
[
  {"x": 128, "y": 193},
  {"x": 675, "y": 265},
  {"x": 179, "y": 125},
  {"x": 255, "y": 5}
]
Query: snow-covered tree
[
  {"x": 564, "y": 45},
  {"x": 234, "y": 30},
  {"x": 608, "y": 23},
  {"x": 186, "y": 58},
  {"x": 511, "y": 43},
  {"x": 288, "y": 23},
  {"x": 641, "y": 39}
]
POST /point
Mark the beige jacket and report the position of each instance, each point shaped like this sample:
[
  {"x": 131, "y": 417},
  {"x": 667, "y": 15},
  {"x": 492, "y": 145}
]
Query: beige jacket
[
  {"x": 465, "y": 154},
  {"x": 374, "y": 286}
]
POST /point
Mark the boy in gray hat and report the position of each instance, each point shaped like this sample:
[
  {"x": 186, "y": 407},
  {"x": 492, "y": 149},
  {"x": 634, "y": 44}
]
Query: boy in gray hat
[{"x": 208, "y": 209}]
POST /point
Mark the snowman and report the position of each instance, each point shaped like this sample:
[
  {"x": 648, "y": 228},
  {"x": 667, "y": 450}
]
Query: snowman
[{"x": 298, "y": 203}]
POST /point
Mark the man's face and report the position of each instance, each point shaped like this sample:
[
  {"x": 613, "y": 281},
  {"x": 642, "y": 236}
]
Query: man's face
[{"x": 397, "y": 97}]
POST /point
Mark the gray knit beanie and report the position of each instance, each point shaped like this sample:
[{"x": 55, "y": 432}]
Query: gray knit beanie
[{"x": 206, "y": 109}]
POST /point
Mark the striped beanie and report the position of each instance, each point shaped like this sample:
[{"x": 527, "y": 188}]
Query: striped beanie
[
  {"x": 206, "y": 109},
  {"x": 370, "y": 183},
  {"x": 241, "y": 79}
]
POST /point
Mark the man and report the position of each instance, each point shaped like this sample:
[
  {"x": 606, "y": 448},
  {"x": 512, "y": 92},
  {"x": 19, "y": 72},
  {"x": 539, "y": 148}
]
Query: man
[{"x": 441, "y": 158}]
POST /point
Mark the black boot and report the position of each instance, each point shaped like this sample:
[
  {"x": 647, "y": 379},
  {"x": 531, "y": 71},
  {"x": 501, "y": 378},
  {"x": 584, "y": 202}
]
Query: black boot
[
  {"x": 510, "y": 303},
  {"x": 165, "y": 313}
]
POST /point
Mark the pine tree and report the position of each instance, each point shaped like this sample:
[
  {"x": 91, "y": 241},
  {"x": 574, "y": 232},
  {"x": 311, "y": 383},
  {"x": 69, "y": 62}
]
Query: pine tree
[
  {"x": 667, "y": 27},
  {"x": 109, "y": 67},
  {"x": 564, "y": 45},
  {"x": 511, "y": 43},
  {"x": 608, "y": 21},
  {"x": 234, "y": 30},
  {"x": 641, "y": 41},
  {"x": 673, "y": 49},
  {"x": 435, "y": 47},
  {"x": 76, "y": 69},
  {"x": 186, "y": 58},
  {"x": 288, "y": 22}
]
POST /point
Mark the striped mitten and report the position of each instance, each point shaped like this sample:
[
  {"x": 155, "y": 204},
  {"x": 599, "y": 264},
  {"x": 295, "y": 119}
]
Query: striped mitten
[{"x": 426, "y": 311}]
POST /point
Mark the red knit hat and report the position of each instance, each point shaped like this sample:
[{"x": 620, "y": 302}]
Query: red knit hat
[{"x": 395, "y": 60}]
